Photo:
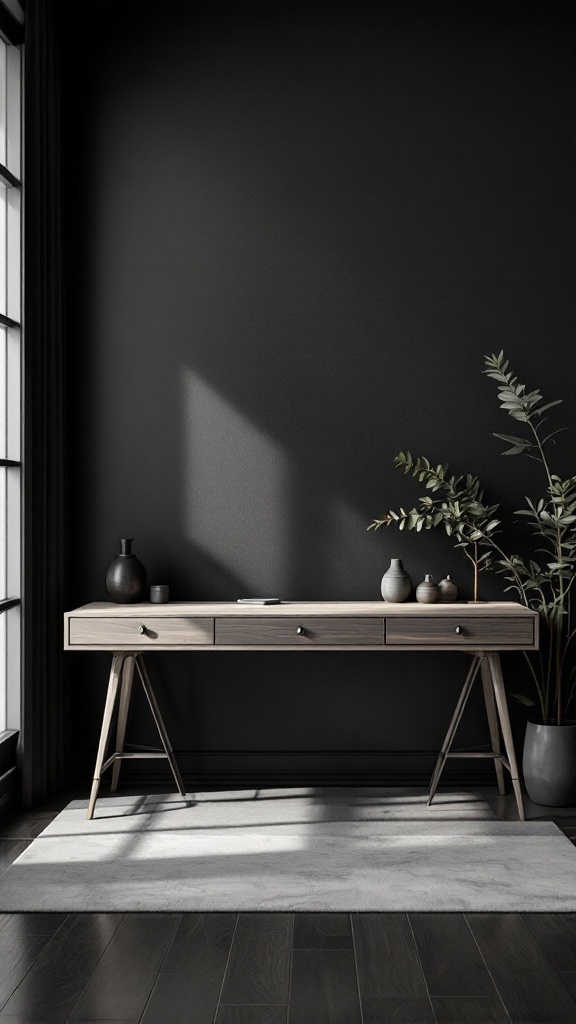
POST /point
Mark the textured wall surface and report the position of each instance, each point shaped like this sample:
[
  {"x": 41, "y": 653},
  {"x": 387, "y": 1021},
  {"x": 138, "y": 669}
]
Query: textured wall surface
[{"x": 293, "y": 232}]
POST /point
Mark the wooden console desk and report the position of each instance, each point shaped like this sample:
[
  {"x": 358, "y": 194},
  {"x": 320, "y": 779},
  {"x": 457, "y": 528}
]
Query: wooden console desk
[{"x": 128, "y": 631}]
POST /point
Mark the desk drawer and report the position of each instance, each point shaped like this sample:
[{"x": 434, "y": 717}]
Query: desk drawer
[
  {"x": 158, "y": 631},
  {"x": 464, "y": 632},
  {"x": 283, "y": 632}
]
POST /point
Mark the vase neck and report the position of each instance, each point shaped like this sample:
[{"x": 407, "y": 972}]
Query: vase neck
[{"x": 126, "y": 546}]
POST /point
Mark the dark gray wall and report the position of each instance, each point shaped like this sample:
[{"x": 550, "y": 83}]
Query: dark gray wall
[{"x": 292, "y": 235}]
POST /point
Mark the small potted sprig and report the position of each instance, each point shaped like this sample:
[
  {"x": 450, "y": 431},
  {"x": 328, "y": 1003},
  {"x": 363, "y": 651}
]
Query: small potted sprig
[{"x": 459, "y": 508}]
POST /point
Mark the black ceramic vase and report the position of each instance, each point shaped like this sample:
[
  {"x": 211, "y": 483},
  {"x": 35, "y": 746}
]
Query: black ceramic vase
[
  {"x": 125, "y": 576},
  {"x": 550, "y": 764}
]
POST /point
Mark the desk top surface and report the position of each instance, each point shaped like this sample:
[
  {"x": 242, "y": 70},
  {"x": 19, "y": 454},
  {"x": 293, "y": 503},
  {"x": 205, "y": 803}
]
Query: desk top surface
[{"x": 490, "y": 609}]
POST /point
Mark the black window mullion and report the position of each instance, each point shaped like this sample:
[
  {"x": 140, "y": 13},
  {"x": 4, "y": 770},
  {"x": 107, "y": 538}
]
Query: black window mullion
[
  {"x": 7, "y": 178},
  {"x": 7, "y": 321}
]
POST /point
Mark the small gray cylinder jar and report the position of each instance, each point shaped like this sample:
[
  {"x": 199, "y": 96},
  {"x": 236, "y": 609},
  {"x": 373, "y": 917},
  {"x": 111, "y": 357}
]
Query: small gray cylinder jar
[
  {"x": 396, "y": 583},
  {"x": 549, "y": 764}
]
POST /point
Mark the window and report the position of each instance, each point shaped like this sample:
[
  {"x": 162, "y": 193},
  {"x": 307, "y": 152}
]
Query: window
[{"x": 10, "y": 374}]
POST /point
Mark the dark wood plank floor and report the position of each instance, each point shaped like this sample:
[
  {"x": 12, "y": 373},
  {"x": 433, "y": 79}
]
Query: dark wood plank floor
[{"x": 282, "y": 968}]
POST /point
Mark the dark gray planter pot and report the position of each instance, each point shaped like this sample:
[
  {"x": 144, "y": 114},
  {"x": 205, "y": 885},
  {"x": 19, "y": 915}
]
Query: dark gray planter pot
[{"x": 549, "y": 764}]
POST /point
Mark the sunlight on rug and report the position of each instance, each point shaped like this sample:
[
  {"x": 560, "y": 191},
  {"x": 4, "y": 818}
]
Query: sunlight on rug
[{"x": 283, "y": 850}]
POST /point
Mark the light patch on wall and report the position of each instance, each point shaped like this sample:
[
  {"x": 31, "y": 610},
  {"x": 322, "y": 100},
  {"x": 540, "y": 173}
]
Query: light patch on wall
[
  {"x": 235, "y": 482},
  {"x": 356, "y": 558}
]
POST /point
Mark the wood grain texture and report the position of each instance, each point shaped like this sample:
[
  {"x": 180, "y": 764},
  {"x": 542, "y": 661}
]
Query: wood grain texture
[
  {"x": 470, "y": 1011},
  {"x": 252, "y": 1015},
  {"x": 104, "y": 626},
  {"x": 568, "y": 979},
  {"x": 474, "y": 632},
  {"x": 259, "y": 964},
  {"x": 98, "y": 609},
  {"x": 324, "y": 988},
  {"x": 122, "y": 632},
  {"x": 328, "y": 630},
  {"x": 183, "y": 999},
  {"x": 450, "y": 958},
  {"x": 201, "y": 944},
  {"x": 125, "y": 976},
  {"x": 188, "y": 989},
  {"x": 386, "y": 956},
  {"x": 52, "y": 986},
  {"x": 556, "y": 936},
  {"x": 10, "y": 849},
  {"x": 529, "y": 988},
  {"x": 17, "y": 955},
  {"x": 397, "y": 1010},
  {"x": 19, "y": 1019},
  {"x": 322, "y": 931},
  {"x": 25, "y": 825},
  {"x": 15, "y": 925}
]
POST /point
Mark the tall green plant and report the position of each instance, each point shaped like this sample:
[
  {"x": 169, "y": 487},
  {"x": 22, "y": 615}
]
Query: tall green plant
[{"x": 543, "y": 583}]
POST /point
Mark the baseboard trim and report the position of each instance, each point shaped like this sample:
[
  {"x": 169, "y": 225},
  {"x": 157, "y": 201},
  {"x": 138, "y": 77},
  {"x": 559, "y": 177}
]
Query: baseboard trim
[{"x": 261, "y": 769}]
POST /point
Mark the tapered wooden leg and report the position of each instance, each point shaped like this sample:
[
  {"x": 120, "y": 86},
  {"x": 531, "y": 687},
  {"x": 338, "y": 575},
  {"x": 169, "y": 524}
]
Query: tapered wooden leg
[
  {"x": 115, "y": 672},
  {"x": 459, "y": 710},
  {"x": 500, "y": 694},
  {"x": 125, "y": 692},
  {"x": 159, "y": 723},
  {"x": 492, "y": 716}
]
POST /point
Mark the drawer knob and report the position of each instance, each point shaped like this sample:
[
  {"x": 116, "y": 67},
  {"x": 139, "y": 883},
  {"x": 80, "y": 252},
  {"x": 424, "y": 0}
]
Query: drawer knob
[
  {"x": 458, "y": 629},
  {"x": 300, "y": 630},
  {"x": 142, "y": 629}
]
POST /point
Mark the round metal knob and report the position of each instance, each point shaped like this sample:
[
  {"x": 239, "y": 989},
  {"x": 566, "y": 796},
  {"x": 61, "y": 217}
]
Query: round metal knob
[
  {"x": 300, "y": 630},
  {"x": 142, "y": 629},
  {"x": 458, "y": 629}
]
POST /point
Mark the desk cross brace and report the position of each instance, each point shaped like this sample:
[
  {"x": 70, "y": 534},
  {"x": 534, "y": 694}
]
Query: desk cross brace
[
  {"x": 121, "y": 677},
  {"x": 497, "y": 713}
]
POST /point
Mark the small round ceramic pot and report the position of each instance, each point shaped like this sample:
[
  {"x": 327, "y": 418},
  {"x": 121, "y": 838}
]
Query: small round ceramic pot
[{"x": 427, "y": 591}]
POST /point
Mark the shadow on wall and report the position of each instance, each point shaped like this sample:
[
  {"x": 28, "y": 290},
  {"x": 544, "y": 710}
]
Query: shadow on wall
[{"x": 242, "y": 495}]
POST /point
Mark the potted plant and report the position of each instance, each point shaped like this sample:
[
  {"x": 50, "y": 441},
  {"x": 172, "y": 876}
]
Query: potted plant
[{"x": 543, "y": 583}]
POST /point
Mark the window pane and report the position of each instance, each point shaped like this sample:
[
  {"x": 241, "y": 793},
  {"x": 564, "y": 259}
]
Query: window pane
[
  {"x": 3, "y": 393},
  {"x": 13, "y": 547},
  {"x": 13, "y": 110},
  {"x": 3, "y": 275},
  {"x": 11, "y": 704},
  {"x": 12, "y": 283},
  {"x": 3, "y": 482},
  {"x": 3, "y": 49},
  {"x": 10, "y": 393},
  {"x": 13, "y": 394},
  {"x": 3, "y": 668}
]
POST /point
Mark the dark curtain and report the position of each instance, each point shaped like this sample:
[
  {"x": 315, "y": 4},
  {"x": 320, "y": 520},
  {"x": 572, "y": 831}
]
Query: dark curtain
[{"x": 43, "y": 732}]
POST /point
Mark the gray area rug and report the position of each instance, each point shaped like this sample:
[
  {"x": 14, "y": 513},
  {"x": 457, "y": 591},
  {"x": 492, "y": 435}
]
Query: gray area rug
[{"x": 292, "y": 850}]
